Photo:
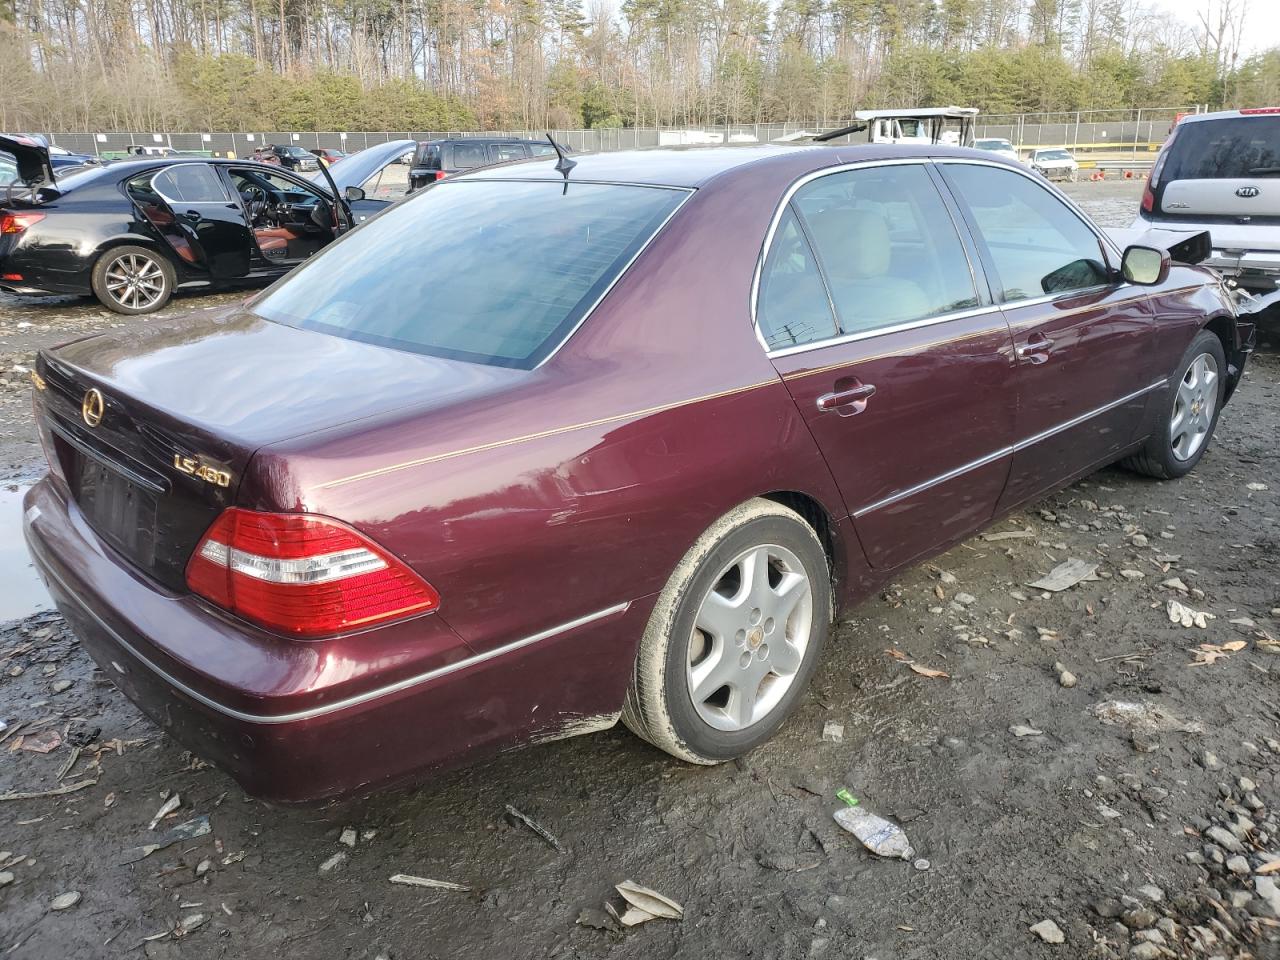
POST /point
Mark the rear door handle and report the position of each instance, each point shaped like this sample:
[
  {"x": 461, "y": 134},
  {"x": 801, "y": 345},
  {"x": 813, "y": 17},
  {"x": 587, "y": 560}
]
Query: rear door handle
[
  {"x": 847, "y": 401},
  {"x": 1036, "y": 349}
]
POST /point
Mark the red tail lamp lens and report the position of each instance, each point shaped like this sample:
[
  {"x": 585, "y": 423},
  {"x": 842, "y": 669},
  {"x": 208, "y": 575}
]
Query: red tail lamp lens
[
  {"x": 17, "y": 222},
  {"x": 302, "y": 575}
]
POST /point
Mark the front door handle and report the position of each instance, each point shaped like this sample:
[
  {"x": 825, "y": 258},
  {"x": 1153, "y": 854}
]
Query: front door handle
[
  {"x": 1036, "y": 349},
  {"x": 848, "y": 398}
]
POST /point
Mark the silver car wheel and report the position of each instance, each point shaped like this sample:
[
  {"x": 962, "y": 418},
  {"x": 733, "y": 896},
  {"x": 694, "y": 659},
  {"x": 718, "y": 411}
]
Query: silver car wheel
[
  {"x": 1193, "y": 407},
  {"x": 135, "y": 281},
  {"x": 749, "y": 637}
]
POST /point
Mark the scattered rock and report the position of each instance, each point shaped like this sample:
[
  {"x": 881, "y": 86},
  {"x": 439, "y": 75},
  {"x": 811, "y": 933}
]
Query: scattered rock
[
  {"x": 1151, "y": 892},
  {"x": 1048, "y": 931},
  {"x": 833, "y": 732},
  {"x": 334, "y": 862},
  {"x": 1022, "y": 730},
  {"x": 348, "y": 837},
  {"x": 65, "y": 901}
]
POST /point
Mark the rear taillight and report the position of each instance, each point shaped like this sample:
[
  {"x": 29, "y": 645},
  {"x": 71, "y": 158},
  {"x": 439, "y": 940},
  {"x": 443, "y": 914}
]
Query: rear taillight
[
  {"x": 17, "y": 222},
  {"x": 440, "y": 174},
  {"x": 1148, "y": 197},
  {"x": 303, "y": 576}
]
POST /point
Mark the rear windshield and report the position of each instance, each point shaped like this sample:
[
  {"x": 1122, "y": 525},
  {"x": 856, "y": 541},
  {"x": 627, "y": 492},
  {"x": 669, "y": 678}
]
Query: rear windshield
[
  {"x": 1231, "y": 148},
  {"x": 993, "y": 145},
  {"x": 495, "y": 272}
]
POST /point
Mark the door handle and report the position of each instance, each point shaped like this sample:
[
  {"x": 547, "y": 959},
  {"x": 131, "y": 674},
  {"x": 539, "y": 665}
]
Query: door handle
[
  {"x": 1036, "y": 349},
  {"x": 847, "y": 401}
]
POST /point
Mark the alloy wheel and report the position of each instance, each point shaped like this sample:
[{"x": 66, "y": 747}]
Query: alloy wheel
[
  {"x": 135, "y": 281},
  {"x": 1193, "y": 407},
  {"x": 749, "y": 637}
]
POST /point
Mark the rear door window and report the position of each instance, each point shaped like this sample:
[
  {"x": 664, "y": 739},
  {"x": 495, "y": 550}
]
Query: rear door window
[
  {"x": 190, "y": 183},
  {"x": 498, "y": 152},
  {"x": 468, "y": 155},
  {"x": 887, "y": 246},
  {"x": 1036, "y": 243},
  {"x": 518, "y": 268},
  {"x": 1229, "y": 149},
  {"x": 542, "y": 149}
]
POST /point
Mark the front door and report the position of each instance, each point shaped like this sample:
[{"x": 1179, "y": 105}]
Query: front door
[
  {"x": 1083, "y": 336},
  {"x": 191, "y": 207},
  {"x": 874, "y": 315}
]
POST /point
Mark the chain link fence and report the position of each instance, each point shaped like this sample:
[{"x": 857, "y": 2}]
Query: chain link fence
[{"x": 1107, "y": 131}]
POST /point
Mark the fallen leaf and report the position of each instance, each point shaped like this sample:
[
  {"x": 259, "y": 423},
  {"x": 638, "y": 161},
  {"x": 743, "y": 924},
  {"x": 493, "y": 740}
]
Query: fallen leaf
[
  {"x": 645, "y": 904},
  {"x": 928, "y": 672},
  {"x": 897, "y": 654},
  {"x": 45, "y": 741},
  {"x": 1066, "y": 575},
  {"x": 1235, "y": 645}
]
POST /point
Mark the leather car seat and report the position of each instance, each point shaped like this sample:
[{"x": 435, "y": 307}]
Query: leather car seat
[
  {"x": 856, "y": 251},
  {"x": 274, "y": 241}
]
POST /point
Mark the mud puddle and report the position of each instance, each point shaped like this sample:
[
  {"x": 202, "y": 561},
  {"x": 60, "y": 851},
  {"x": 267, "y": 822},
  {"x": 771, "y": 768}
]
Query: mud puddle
[{"x": 21, "y": 592}]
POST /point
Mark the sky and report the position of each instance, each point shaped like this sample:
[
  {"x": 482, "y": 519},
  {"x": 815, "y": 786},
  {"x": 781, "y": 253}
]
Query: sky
[{"x": 1261, "y": 25}]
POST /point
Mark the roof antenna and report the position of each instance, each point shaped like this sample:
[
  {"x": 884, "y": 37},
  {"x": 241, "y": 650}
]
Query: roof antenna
[{"x": 564, "y": 164}]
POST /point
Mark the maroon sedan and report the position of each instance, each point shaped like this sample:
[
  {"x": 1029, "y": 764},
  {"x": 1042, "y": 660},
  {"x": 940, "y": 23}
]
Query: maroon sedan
[{"x": 541, "y": 449}]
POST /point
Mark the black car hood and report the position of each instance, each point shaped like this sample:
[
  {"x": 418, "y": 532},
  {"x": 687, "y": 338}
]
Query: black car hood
[{"x": 33, "y": 159}]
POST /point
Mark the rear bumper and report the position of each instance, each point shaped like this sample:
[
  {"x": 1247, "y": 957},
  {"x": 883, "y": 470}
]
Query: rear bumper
[{"x": 283, "y": 717}]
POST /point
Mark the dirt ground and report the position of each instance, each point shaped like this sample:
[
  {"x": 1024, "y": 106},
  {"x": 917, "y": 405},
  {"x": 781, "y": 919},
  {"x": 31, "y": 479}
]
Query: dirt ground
[{"x": 1136, "y": 830}]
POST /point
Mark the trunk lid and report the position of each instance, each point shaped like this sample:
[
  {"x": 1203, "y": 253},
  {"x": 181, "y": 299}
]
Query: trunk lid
[
  {"x": 152, "y": 429},
  {"x": 1231, "y": 198},
  {"x": 31, "y": 159}
]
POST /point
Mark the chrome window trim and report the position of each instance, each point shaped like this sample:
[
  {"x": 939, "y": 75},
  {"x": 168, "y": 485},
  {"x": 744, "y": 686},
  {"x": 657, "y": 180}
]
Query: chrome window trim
[
  {"x": 796, "y": 186},
  {"x": 879, "y": 331},
  {"x": 995, "y": 455},
  {"x": 352, "y": 701}
]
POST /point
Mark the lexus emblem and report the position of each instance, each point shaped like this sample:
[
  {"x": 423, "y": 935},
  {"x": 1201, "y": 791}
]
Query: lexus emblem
[
  {"x": 92, "y": 407},
  {"x": 1247, "y": 192}
]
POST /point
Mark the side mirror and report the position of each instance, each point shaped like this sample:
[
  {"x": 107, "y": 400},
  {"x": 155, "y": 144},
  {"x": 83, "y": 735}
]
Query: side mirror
[
  {"x": 1146, "y": 266},
  {"x": 355, "y": 193}
]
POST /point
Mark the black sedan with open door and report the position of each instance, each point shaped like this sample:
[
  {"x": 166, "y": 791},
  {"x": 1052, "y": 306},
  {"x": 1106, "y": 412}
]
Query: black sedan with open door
[{"x": 132, "y": 232}]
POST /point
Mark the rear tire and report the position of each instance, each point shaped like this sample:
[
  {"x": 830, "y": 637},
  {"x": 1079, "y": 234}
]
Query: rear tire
[
  {"x": 734, "y": 637},
  {"x": 133, "y": 280},
  {"x": 1186, "y": 425}
]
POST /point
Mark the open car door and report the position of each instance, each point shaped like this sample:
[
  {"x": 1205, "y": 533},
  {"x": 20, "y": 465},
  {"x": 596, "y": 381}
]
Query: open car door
[
  {"x": 359, "y": 168},
  {"x": 189, "y": 204}
]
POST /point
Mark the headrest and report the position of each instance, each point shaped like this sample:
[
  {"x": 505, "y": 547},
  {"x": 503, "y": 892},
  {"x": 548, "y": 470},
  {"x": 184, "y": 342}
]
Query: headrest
[{"x": 854, "y": 242}]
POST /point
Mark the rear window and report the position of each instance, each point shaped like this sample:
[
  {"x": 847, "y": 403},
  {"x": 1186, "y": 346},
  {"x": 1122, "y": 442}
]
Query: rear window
[
  {"x": 1231, "y": 148},
  {"x": 486, "y": 271}
]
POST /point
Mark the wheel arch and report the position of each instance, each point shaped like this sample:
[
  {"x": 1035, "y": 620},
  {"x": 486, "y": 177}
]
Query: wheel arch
[
  {"x": 1224, "y": 327},
  {"x": 817, "y": 516},
  {"x": 137, "y": 240}
]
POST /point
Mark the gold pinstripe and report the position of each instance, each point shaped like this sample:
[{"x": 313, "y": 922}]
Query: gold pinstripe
[{"x": 541, "y": 435}]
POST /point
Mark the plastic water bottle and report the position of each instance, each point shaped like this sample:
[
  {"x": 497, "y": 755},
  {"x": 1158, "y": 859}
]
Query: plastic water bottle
[{"x": 882, "y": 837}]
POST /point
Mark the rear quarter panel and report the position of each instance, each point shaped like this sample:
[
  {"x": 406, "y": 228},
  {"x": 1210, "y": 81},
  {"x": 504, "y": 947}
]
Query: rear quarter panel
[{"x": 581, "y": 486}]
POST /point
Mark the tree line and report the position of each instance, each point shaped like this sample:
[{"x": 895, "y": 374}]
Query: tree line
[{"x": 207, "y": 65}]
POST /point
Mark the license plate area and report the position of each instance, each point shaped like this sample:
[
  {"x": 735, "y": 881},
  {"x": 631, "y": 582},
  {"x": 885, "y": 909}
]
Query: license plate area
[{"x": 120, "y": 511}]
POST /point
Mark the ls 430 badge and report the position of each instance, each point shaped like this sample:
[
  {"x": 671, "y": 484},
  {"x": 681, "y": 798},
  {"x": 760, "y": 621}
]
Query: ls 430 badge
[{"x": 192, "y": 466}]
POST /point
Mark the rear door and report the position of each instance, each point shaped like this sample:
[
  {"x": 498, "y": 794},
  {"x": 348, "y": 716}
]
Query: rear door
[
  {"x": 191, "y": 207},
  {"x": 875, "y": 317},
  {"x": 1083, "y": 337}
]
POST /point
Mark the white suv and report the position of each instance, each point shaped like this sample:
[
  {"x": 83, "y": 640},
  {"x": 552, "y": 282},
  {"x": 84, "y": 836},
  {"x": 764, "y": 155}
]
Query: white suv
[{"x": 1221, "y": 172}]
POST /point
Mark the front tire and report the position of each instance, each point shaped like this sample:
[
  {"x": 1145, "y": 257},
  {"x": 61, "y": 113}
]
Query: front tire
[
  {"x": 1191, "y": 415},
  {"x": 133, "y": 280},
  {"x": 734, "y": 637}
]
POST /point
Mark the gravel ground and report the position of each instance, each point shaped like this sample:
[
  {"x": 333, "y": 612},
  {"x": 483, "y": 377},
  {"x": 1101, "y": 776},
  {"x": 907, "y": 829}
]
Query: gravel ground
[{"x": 1133, "y": 830}]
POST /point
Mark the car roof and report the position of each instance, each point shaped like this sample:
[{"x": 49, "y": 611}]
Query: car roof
[
  {"x": 695, "y": 166},
  {"x": 1272, "y": 112}
]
